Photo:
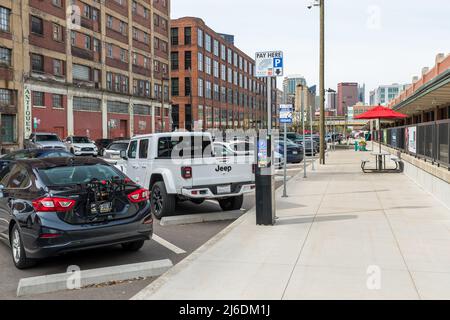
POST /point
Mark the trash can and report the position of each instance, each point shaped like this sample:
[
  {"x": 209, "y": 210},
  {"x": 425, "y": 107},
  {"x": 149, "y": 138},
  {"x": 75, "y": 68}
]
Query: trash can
[{"x": 356, "y": 146}]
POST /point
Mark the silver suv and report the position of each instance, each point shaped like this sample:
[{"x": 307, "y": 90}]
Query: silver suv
[{"x": 44, "y": 141}]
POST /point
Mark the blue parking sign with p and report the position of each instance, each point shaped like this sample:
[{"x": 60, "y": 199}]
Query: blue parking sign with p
[{"x": 278, "y": 63}]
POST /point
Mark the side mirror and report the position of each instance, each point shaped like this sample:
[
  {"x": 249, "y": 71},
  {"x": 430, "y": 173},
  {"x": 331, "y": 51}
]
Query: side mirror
[
  {"x": 1, "y": 190},
  {"x": 123, "y": 155}
]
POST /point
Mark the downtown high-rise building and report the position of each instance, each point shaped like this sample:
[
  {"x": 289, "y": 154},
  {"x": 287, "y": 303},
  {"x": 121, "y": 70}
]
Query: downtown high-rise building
[
  {"x": 347, "y": 96},
  {"x": 290, "y": 84},
  {"x": 386, "y": 93}
]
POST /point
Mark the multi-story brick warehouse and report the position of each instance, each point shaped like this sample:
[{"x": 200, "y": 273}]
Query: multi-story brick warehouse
[
  {"x": 98, "y": 71},
  {"x": 213, "y": 83}
]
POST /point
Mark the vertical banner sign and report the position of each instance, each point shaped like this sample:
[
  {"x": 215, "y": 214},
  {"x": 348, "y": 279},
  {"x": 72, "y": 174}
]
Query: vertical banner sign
[
  {"x": 28, "y": 121},
  {"x": 412, "y": 140}
]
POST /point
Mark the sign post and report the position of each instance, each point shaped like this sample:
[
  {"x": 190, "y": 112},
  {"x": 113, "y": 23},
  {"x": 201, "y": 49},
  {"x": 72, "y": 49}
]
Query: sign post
[
  {"x": 268, "y": 64},
  {"x": 286, "y": 117}
]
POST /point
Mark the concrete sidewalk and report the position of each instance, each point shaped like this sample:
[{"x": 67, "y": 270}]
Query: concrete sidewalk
[{"x": 340, "y": 235}]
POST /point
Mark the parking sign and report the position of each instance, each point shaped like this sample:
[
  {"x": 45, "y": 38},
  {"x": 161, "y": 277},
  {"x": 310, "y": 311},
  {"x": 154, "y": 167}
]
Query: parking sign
[
  {"x": 286, "y": 113},
  {"x": 269, "y": 64}
]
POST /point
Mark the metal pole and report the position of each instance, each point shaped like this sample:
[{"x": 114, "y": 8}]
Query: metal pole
[
  {"x": 269, "y": 106},
  {"x": 312, "y": 141},
  {"x": 322, "y": 81},
  {"x": 304, "y": 139},
  {"x": 285, "y": 162}
]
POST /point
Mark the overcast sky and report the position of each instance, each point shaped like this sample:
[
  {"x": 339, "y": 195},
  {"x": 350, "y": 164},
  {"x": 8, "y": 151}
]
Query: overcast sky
[{"x": 367, "y": 41}]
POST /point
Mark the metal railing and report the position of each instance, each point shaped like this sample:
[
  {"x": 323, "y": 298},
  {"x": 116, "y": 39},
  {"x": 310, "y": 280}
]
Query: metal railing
[{"x": 429, "y": 141}]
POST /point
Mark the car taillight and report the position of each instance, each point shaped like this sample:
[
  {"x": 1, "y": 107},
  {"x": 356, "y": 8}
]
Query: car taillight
[
  {"x": 53, "y": 204},
  {"x": 139, "y": 196},
  {"x": 186, "y": 172}
]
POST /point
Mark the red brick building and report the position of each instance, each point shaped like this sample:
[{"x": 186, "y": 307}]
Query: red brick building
[
  {"x": 100, "y": 71},
  {"x": 347, "y": 96},
  {"x": 213, "y": 83}
]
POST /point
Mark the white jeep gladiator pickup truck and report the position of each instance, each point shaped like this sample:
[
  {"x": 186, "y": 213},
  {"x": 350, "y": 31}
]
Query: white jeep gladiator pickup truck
[{"x": 182, "y": 166}]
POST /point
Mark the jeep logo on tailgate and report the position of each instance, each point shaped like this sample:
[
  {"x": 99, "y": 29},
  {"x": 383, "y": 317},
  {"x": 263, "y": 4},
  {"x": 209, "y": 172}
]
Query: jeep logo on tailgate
[{"x": 224, "y": 169}]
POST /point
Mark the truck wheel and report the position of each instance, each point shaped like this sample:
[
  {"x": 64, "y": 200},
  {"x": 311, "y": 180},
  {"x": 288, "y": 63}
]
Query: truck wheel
[
  {"x": 163, "y": 204},
  {"x": 18, "y": 251},
  {"x": 231, "y": 204}
]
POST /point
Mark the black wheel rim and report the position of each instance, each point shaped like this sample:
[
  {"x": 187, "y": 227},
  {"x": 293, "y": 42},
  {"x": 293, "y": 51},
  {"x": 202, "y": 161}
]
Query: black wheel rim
[{"x": 157, "y": 201}]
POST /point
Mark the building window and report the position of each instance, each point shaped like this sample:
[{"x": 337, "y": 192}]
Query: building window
[
  {"x": 86, "y": 104},
  {"x": 5, "y": 97},
  {"x": 5, "y": 56},
  {"x": 200, "y": 61},
  {"x": 37, "y": 62},
  {"x": 208, "y": 65},
  {"x": 109, "y": 22},
  {"x": 216, "y": 69},
  {"x": 207, "y": 42},
  {"x": 96, "y": 45},
  {"x": 216, "y": 48},
  {"x": 123, "y": 55},
  {"x": 87, "y": 42},
  {"x": 187, "y": 60},
  {"x": 117, "y": 107},
  {"x": 174, "y": 60},
  {"x": 109, "y": 81},
  {"x": 37, "y": 25},
  {"x": 223, "y": 52},
  {"x": 57, "y": 101},
  {"x": 200, "y": 87},
  {"x": 4, "y": 19},
  {"x": 175, "y": 87},
  {"x": 7, "y": 128},
  {"x": 38, "y": 99},
  {"x": 200, "y": 37},
  {"x": 174, "y": 36},
  {"x": 109, "y": 50},
  {"x": 187, "y": 35},
  {"x": 57, "y": 32},
  {"x": 57, "y": 67}
]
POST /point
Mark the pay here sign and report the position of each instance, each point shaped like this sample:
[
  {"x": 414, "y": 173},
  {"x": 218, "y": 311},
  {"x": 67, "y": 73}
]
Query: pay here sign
[{"x": 269, "y": 64}]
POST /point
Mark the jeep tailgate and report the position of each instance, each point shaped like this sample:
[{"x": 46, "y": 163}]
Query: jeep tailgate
[{"x": 221, "y": 171}]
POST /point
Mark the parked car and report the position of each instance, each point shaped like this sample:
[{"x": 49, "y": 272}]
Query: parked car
[
  {"x": 112, "y": 151},
  {"x": 102, "y": 144},
  {"x": 224, "y": 149},
  {"x": 310, "y": 148},
  {"x": 44, "y": 141},
  {"x": 32, "y": 154},
  {"x": 58, "y": 205},
  {"x": 159, "y": 162},
  {"x": 81, "y": 146},
  {"x": 294, "y": 151}
]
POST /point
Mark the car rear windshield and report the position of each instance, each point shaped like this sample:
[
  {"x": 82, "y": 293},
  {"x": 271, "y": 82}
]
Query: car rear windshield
[
  {"x": 46, "y": 137},
  {"x": 80, "y": 140},
  {"x": 71, "y": 175}
]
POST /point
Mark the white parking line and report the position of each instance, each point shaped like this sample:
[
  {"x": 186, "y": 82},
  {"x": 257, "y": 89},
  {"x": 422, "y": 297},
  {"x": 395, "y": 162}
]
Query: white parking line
[{"x": 168, "y": 245}]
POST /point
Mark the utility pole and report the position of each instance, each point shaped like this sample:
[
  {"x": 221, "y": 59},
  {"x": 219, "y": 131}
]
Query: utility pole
[{"x": 322, "y": 82}]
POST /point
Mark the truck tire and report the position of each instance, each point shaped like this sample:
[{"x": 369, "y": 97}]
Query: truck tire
[
  {"x": 162, "y": 203},
  {"x": 230, "y": 204}
]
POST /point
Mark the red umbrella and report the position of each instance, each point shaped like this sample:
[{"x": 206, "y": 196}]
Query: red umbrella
[{"x": 380, "y": 113}]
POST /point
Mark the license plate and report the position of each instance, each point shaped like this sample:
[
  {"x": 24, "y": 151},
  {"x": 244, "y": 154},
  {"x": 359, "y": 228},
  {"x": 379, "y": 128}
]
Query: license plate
[
  {"x": 294, "y": 152},
  {"x": 223, "y": 189},
  {"x": 104, "y": 207}
]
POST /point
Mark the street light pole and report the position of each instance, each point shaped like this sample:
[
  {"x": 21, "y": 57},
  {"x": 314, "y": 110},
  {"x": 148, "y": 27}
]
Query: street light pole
[{"x": 322, "y": 82}]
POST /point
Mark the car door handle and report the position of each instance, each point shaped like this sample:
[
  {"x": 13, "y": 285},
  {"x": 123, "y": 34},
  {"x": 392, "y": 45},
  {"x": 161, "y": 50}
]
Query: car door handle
[
  {"x": 144, "y": 167},
  {"x": 135, "y": 167}
]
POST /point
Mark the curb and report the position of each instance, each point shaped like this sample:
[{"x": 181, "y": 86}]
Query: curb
[
  {"x": 200, "y": 218},
  {"x": 64, "y": 281},
  {"x": 162, "y": 280}
]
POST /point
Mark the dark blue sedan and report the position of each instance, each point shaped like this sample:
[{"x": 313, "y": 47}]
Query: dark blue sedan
[{"x": 294, "y": 151}]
